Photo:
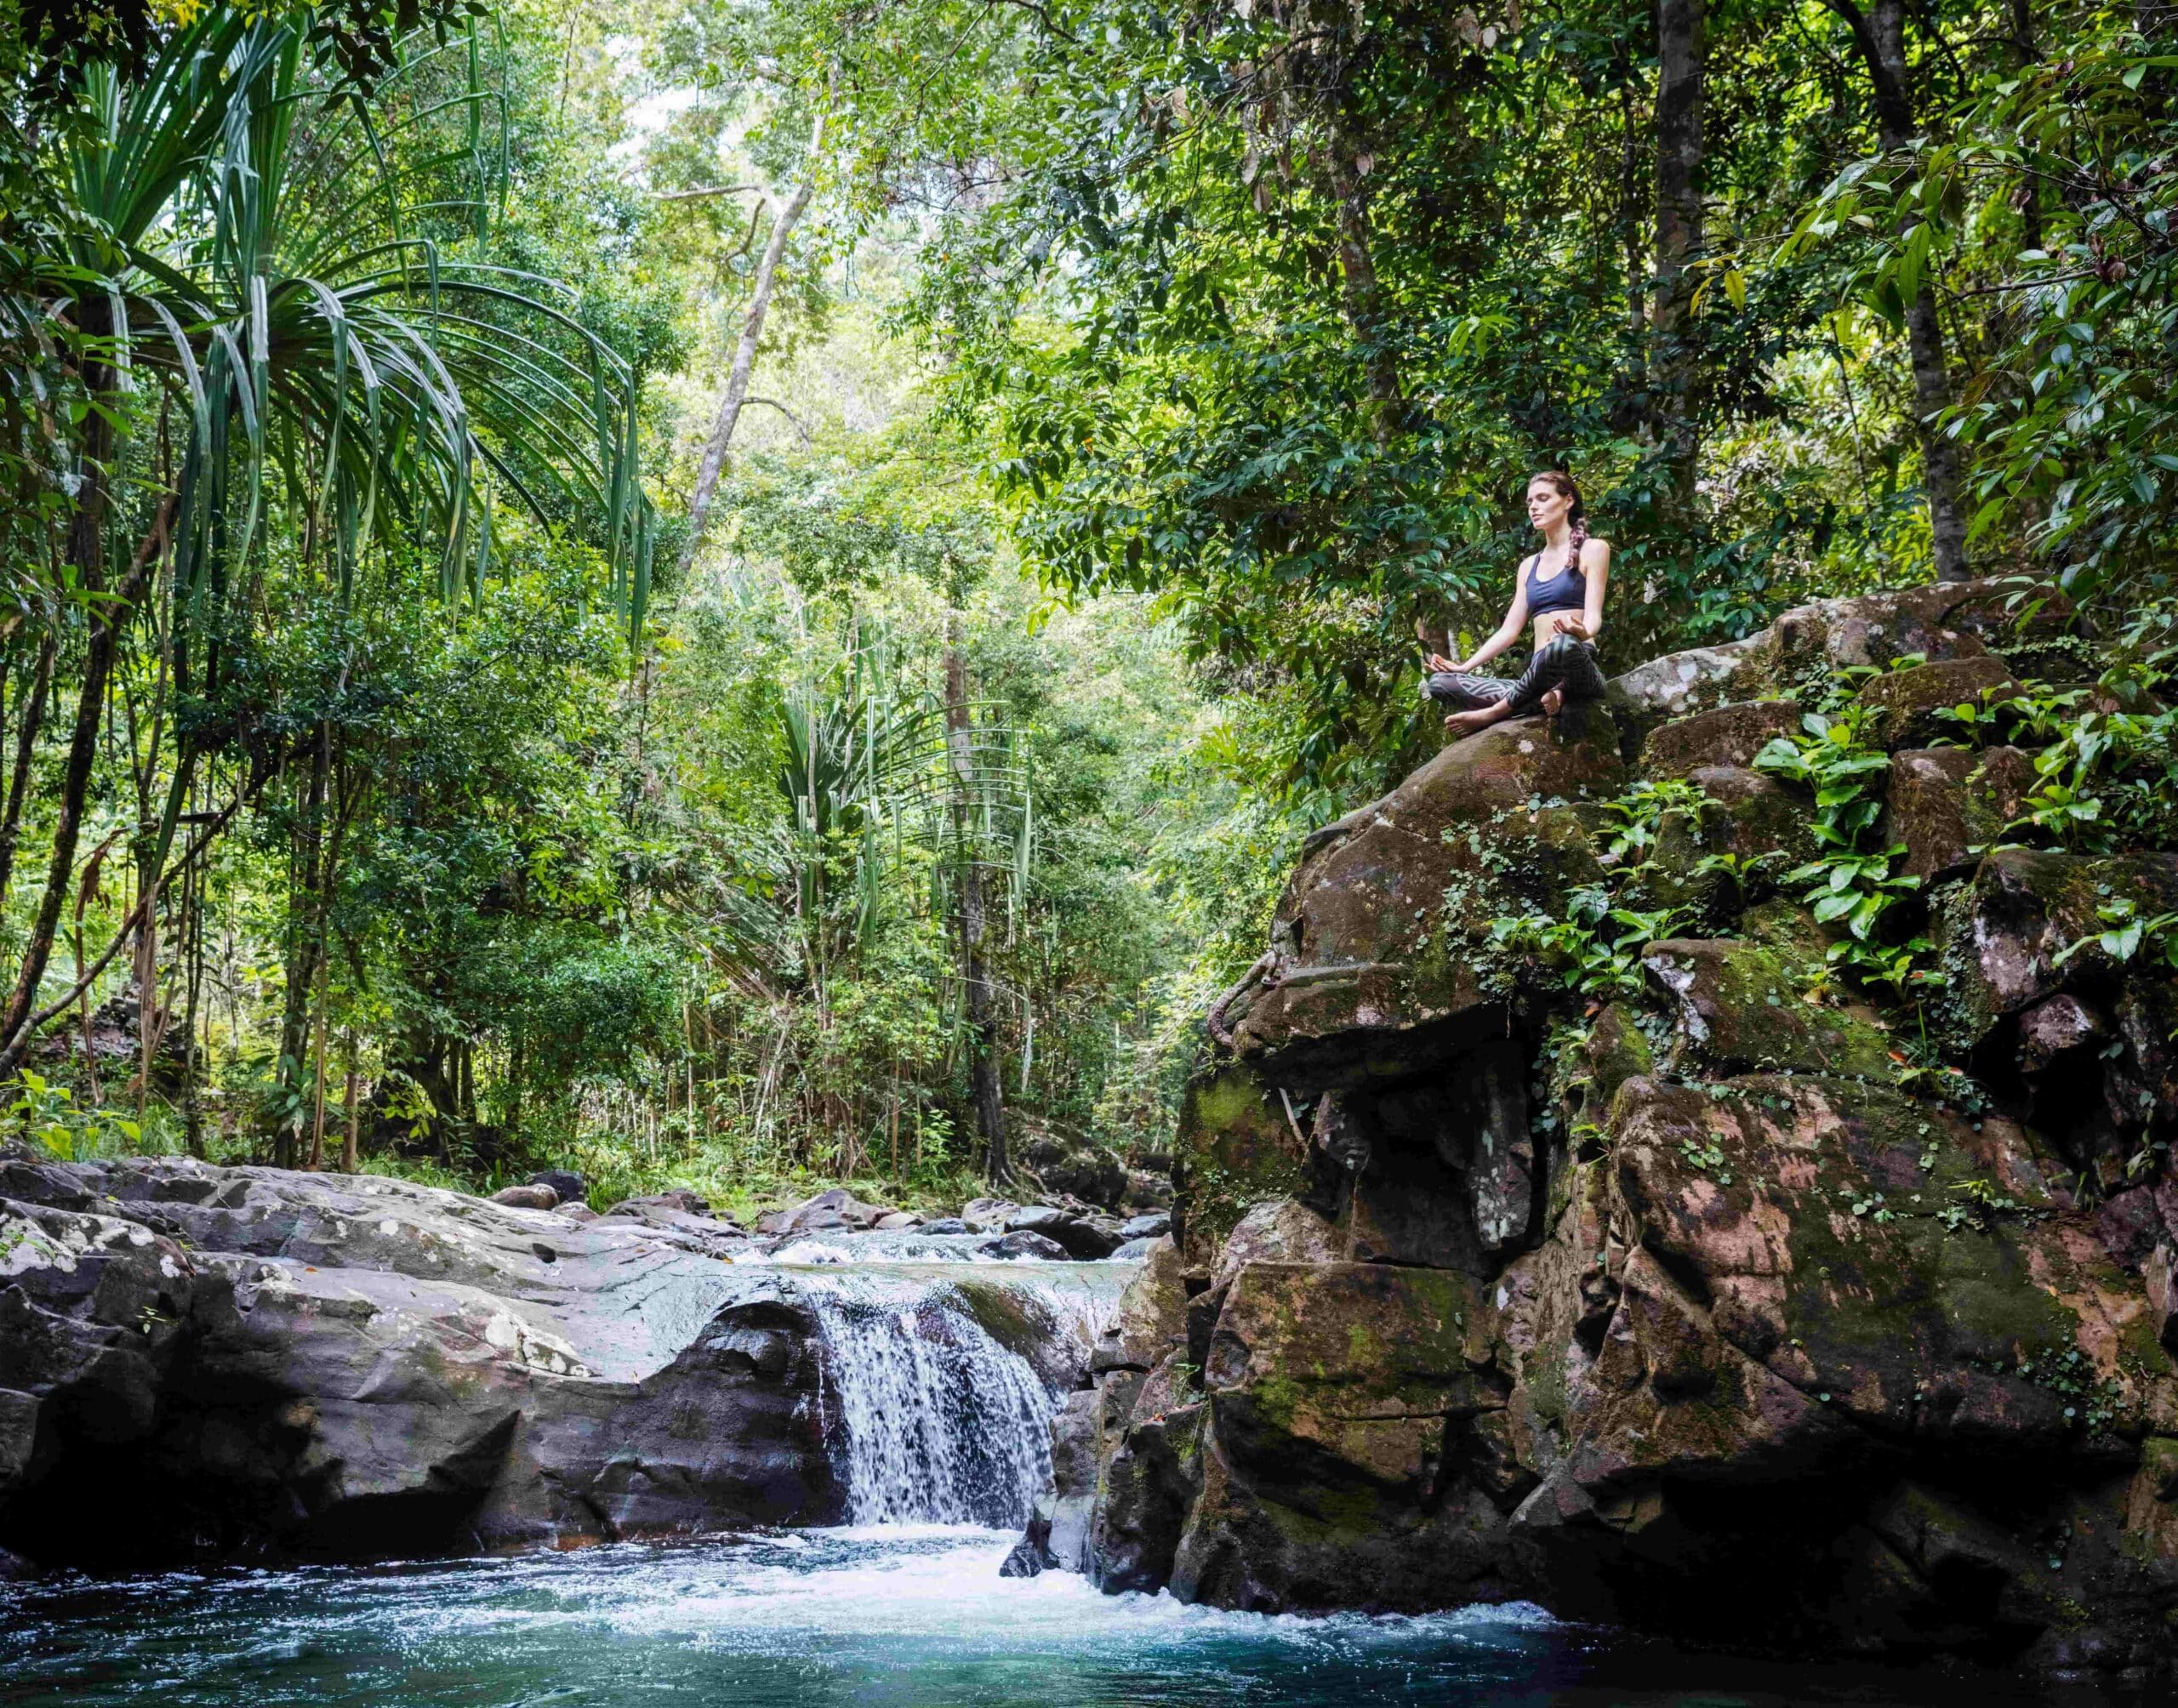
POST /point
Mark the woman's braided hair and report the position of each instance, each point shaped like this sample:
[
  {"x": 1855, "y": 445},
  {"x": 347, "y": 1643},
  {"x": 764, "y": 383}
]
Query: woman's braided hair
[{"x": 1566, "y": 487}]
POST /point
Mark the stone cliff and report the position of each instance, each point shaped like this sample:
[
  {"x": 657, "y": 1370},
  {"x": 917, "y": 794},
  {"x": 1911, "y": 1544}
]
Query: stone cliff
[{"x": 1718, "y": 1303}]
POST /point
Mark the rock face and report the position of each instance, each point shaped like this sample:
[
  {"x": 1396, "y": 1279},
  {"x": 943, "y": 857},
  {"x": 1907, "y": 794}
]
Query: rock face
[
  {"x": 197, "y": 1361},
  {"x": 1709, "y": 1311}
]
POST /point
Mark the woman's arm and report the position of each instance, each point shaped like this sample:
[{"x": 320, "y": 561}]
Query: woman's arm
[
  {"x": 1595, "y": 569},
  {"x": 1509, "y": 632}
]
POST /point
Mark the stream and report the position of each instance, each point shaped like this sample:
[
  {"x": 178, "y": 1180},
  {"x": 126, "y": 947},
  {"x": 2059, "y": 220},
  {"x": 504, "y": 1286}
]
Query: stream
[{"x": 941, "y": 1427}]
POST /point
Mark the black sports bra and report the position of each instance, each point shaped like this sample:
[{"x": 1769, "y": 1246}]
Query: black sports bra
[{"x": 1567, "y": 590}]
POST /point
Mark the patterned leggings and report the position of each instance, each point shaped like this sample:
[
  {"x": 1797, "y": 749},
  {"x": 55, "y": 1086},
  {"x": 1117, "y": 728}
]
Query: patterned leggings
[{"x": 1564, "y": 663}]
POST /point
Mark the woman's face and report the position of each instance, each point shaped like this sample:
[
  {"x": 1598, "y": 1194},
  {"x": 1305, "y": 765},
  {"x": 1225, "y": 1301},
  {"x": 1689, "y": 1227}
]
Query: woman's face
[{"x": 1547, "y": 505}]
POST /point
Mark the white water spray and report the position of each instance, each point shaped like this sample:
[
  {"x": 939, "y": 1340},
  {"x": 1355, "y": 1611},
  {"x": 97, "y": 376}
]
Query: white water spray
[{"x": 930, "y": 1417}]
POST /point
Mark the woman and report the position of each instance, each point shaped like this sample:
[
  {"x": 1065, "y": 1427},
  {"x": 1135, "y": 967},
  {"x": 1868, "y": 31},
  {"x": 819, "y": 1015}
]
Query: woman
[{"x": 1560, "y": 590}]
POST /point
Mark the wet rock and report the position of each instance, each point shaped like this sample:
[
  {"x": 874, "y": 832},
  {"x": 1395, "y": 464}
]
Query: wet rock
[
  {"x": 571, "y": 1186},
  {"x": 1028, "y": 1244},
  {"x": 1146, "y": 1191},
  {"x": 1026, "y": 1558},
  {"x": 1946, "y": 805},
  {"x": 1149, "y": 1227},
  {"x": 1736, "y": 1007},
  {"x": 894, "y": 1220},
  {"x": 1727, "y": 737},
  {"x": 1905, "y": 702},
  {"x": 679, "y": 1199},
  {"x": 945, "y": 1224},
  {"x": 1077, "y": 1235},
  {"x": 835, "y": 1208},
  {"x": 528, "y": 1196},
  {"x": 686, "y": 1214},
  {"x": 987, "y": 1215},
  {"x": 17, "y": 1439},
  {"x": 1331, "y": 1393},
  {"x": 196, "y": 1361},
  {"x": 1133, "y": 1250}
]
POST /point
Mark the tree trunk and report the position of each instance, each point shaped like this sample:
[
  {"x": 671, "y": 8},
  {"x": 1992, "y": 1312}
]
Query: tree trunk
[
  {"x": 306, "y": 946},
  {"x": 975, "y": 976},
  {"x": 744, "y": 352},
  {"x": 1681, "y": 52},
  {"x": 1880, "y": 35},
  {"x": 2025, "y": 51},
  {"x": 104, "y": 620},
  {"x": 1366, "y": 310},
  {"x": 32, "y": 713},
  {"x": 350, "y": 1149}
]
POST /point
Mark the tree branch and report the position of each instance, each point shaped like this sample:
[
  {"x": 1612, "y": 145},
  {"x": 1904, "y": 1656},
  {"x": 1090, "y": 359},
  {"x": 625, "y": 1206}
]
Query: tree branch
[{"x": 773, "y": 404}]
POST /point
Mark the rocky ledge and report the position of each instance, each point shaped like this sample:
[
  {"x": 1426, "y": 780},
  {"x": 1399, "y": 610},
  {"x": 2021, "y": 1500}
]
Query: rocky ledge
[
  {"x": 201, "y": 1363},
  {"x": 1712, "y": 1308}
]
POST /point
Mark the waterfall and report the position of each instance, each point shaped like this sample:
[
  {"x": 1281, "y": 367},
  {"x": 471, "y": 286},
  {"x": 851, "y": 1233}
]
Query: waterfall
[{"x": 939, "y": 1389}]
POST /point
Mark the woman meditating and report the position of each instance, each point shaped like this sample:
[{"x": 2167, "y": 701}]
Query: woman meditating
[{"x": 1560, "y": 590}]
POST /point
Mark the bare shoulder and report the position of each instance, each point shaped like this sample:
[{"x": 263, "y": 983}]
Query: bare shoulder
[{"x": 1594, "y": 553}]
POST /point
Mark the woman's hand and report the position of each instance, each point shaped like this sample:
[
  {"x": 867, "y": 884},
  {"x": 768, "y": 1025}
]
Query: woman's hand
[
  {"x": 1439, "y": 664},
  {"x": 1575, "y": 630}
]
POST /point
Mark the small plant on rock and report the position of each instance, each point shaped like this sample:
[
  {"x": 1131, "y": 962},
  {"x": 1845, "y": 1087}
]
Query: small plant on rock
[{"x": 1850, "y": 883}]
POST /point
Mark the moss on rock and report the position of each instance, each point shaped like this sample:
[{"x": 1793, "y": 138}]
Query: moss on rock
[
  {"x": 1237, "y": 1148},
  {"x": 1736, "y": 1007}
]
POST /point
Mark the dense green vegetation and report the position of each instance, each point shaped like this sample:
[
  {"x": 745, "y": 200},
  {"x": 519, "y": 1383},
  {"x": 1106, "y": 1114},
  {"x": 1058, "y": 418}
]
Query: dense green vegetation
[{"x": 762, "y": 590}]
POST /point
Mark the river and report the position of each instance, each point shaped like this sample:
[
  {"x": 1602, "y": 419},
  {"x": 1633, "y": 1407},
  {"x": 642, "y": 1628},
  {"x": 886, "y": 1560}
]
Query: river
[{"x": 941, "y": 1427}]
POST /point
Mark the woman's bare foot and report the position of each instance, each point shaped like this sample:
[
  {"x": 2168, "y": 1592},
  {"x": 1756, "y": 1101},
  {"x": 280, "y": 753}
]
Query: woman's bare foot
[
  {"x": 1481, "y": 718},
  {"x": 1552, "y": 701}
]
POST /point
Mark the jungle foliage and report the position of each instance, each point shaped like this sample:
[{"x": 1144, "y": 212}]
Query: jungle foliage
[{"x": 754, "y": 590}]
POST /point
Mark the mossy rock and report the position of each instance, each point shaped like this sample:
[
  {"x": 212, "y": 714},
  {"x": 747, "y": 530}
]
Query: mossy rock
[
  {"x": 1381, "y": 945},
  {"x": 1999, "y": 937},
  {"x": 1237, "y": 1148},
  {"x": 1906, "y": 702},
  {"x": 1617, "y": 1050},
  {"x": 1786, "y": 929},
  {"x": 1728, "y": 736},
  {"x": 1735, "y": 1008},
  {"x": 1358, "y": 1364},
  {"x": 1948, "y": 805},
  {"x": 1759, "y": 821},
  {"x": 1914, "y": 1270}
]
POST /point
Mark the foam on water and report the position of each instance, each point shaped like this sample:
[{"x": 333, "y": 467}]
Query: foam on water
[{"x": 911, "y": 1614}]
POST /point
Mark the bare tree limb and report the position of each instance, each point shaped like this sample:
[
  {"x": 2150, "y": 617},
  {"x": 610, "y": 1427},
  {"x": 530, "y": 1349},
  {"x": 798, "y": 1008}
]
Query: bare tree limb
[
  {"x": 708, "y": 190},
  {"x": 800, "y": 426}
]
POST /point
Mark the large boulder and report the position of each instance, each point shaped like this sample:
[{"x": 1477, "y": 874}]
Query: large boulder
[
  {"x": 1958, "y": 619},
  {"x": 1069, "y": 1165},
  {"x": 1077, "y": 1235},
  {"x": 1726, "y": 1307},
  {"x": 1948, "y": 806},
  {"x": 2000, "y": 937},
  {"x": 196, "y": 1361},
  {"x": 1374, "y": 965},
  {"x": 1905, "y": 705},
  {"x": 1729, "y": 735},
  {"x": 1734, "y": 1006}
]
